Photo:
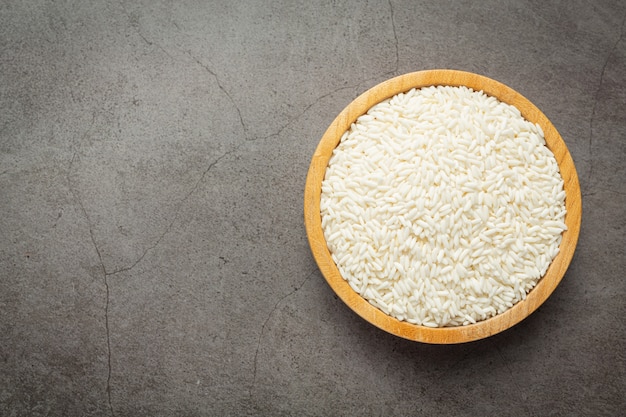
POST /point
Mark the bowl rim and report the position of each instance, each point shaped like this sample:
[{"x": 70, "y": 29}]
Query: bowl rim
[{"x": 441, "y": 335}]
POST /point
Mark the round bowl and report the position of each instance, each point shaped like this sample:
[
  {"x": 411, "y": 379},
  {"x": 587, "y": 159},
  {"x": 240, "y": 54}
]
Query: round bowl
[{"x": 440, "y": 335}]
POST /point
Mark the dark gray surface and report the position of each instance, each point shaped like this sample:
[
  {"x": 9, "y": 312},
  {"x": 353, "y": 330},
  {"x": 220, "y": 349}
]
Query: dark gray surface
[{"x": 153, "y": 258}]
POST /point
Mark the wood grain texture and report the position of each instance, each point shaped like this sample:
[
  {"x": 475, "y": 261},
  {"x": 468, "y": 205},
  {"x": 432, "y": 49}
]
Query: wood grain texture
[{"x": 446, "y": 335}]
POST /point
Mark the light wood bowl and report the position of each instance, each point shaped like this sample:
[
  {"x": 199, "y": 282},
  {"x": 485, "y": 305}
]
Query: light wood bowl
[{"x": 442, "y": 335}]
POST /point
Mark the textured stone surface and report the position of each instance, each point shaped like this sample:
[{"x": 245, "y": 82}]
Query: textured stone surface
[{"x": 153, "y": 258}]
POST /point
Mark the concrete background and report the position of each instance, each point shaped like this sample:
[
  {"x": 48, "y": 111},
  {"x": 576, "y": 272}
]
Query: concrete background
[{"x": 153, "y": 258}]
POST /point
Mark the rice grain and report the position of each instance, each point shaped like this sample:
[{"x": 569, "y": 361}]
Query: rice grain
[{"x": 442, "y": 206}]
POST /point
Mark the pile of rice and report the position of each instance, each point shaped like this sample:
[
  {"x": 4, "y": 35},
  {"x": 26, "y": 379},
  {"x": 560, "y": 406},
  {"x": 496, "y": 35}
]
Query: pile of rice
[{"x": 442, "y": 206}]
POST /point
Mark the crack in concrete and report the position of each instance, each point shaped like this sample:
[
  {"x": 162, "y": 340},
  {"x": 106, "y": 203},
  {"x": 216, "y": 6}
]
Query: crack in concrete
[
  {"x": 105, "y": 273},
  {"x": 395, "y": 36},
  {"x": 307, "y": 108},
  {"x": 177, "y": 212},
  {"x": 79, "y": 201},
  {"x": 317, "y": 100},
  {"x": 513, "y": 377},
  {"x": 606, "y": 190},
  {"x": 108, "y": 331},
  {"x": 267, "y": 319},
  {"x": 596, "y": 99},
  {"x": 219, "y": 85},
  {"x": 136, "y": 28},
  {"x": 224, "y": 90},
  {"x": 135, "y": 25}
]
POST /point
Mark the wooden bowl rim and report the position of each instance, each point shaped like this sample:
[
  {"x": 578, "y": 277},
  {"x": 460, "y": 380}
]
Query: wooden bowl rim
[{"x": 444, "y": 335}]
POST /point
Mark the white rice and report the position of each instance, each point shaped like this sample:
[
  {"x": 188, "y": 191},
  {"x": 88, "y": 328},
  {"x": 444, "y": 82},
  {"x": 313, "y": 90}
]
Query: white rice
[{"x": 442, "y": 206}]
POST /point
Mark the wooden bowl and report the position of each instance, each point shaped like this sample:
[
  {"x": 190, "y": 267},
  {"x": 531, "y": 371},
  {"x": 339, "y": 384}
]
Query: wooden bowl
[{"x": 441, "y": 335}]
